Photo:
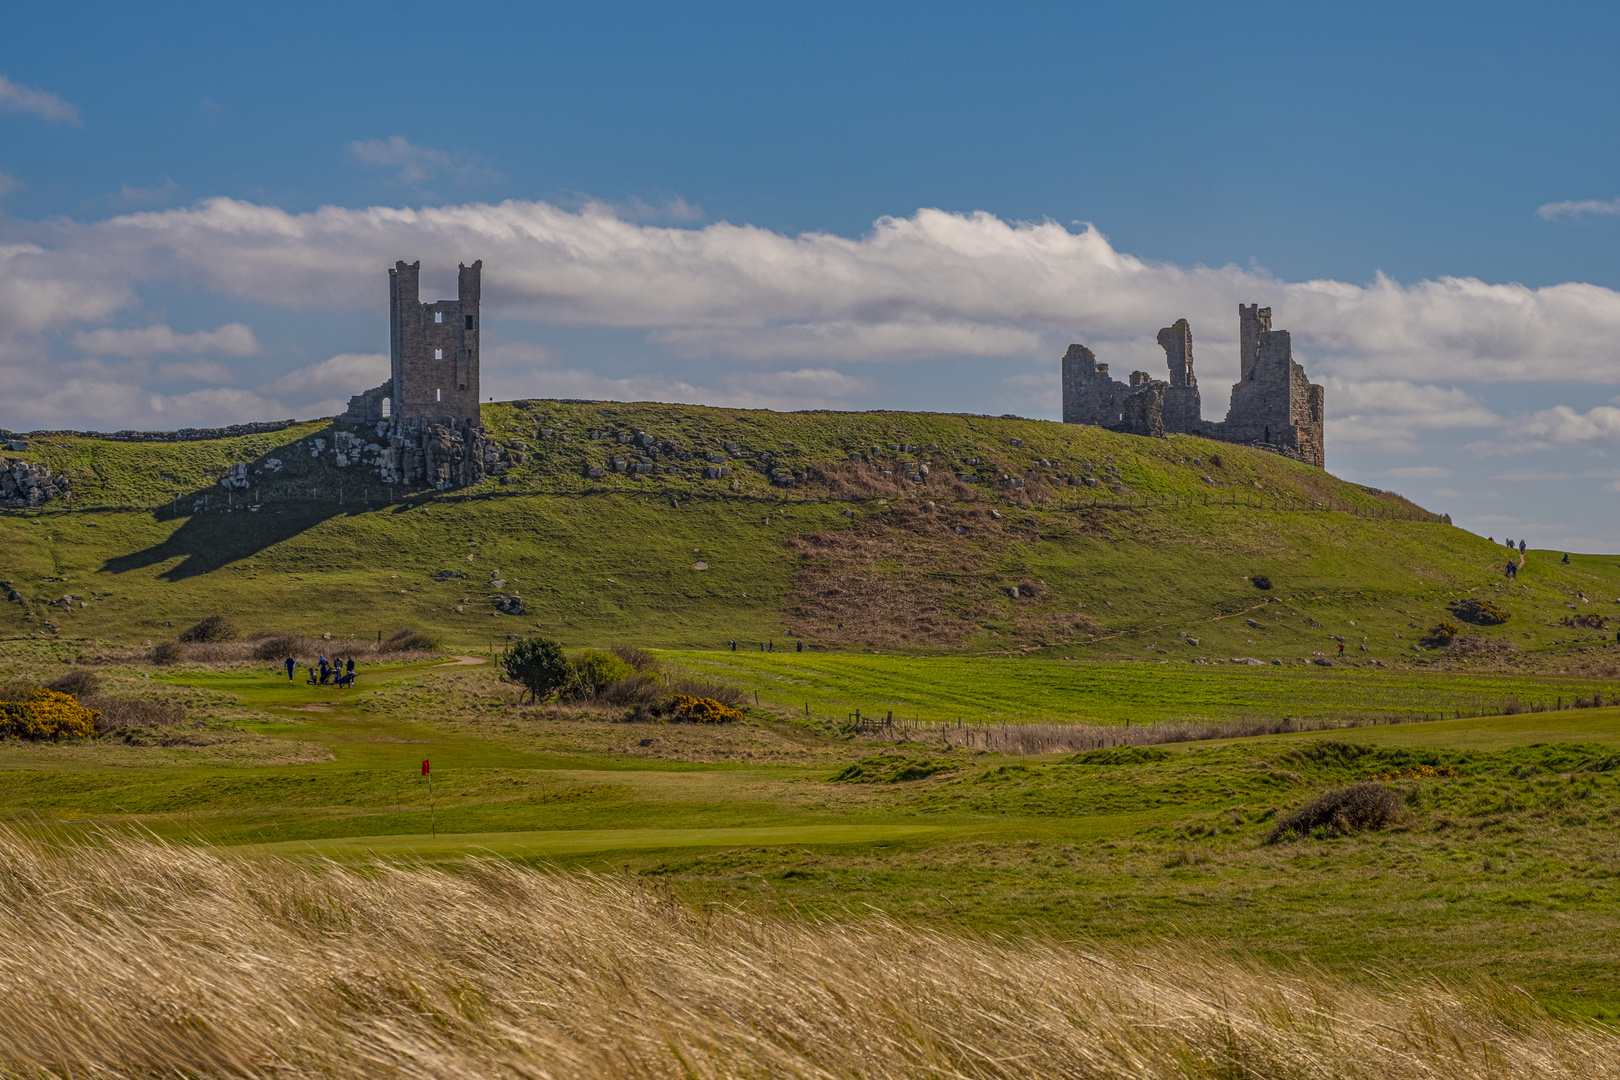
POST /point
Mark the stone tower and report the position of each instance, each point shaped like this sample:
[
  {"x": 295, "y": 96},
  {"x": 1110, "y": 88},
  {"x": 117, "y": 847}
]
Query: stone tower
[
  {"x": 1183, "y": 409},
  {"x": 1273, "y": 403},
  {"x": 433, "y": 352}
]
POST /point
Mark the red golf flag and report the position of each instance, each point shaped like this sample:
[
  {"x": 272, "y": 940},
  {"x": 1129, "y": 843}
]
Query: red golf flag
[{"x": 424, "y": 766}]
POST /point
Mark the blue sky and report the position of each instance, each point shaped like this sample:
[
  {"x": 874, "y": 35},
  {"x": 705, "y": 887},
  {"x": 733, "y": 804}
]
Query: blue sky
[{"x": 842, "y": 206}]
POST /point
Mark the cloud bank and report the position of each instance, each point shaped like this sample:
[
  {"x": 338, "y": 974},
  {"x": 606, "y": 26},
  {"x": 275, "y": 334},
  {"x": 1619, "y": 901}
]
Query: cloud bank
[{"x": 783, "y": 319}]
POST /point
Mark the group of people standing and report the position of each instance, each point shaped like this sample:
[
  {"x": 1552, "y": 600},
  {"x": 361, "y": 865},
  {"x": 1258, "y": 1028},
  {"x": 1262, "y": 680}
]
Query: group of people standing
[
  {"x": 338, "y": 672},
  {"x": 1512, "y": 569}
]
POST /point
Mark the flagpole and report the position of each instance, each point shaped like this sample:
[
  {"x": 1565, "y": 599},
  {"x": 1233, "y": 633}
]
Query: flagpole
[{"x": 427, "y": 771}]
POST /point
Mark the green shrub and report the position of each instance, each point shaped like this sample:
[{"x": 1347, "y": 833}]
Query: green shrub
[
  {"x": 165, "y": 653},
  {"x": 539, "y": 666},
  {"x": 595, "y": 671},
  {"x": 213, "y": 628},
  {"x": 1261, "y": 581}
]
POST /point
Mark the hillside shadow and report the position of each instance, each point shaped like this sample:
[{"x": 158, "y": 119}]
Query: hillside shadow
[
  {"x": 217, "y": 527},
  {"x": 207, "y": 541}
]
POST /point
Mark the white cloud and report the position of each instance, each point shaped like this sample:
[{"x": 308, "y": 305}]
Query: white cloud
[
  {"x": 232, "y": 339},
  {"x": 935, "y": 283},
  {"x": 334, "y": 378},
  {"x": 1388, "y": 415},
  {"x": 1577, "y": 207},
  {"x": 672, "y": 209},
  {"x": 15, "y": 97},
  {"x": 1414, "y": 472},
  {"x": 128, "y": 196},
  {"x": 1564, "y": 426},
  {"x": 421, "y": 163}
]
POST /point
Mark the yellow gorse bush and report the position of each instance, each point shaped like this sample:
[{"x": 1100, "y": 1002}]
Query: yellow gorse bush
[
  {"x": 46, "y": 714},
  {"x": 704, "y": 710}
]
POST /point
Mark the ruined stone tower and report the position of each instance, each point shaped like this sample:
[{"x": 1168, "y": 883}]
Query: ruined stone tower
[
  {"x": 433, "y": 352},
  {"x": 1273, "y": 403},
  {"x": 1273, "y": 406}
]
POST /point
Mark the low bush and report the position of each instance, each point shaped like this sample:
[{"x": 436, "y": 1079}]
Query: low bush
[
  {"x": 213, "y": 628},
  {"x": 699, "y": 710},
  {"x": 31, "y": 712},
  {"x": 1589, "y": 621},
  {"x": 1442, "y": 632},
  {"x": 78, "y": 682},
  {"x": 277, "y": 647},
  {"x": 1480, "y": 612},
  {"x": 636, "y": 657},
  {"x": 120, "y": 714},
  {"x": 1358, "y": 808},
  {"x": 410, "y": 639},
  {"x": 594, "y": 672},
  {"x": 165, "y": 653},
  {"x": 725, "y": 693},
  {"x": 892, "y": 770},
  {"x": 1261, "y": 581},
  {"x": 641, "y": 688}
]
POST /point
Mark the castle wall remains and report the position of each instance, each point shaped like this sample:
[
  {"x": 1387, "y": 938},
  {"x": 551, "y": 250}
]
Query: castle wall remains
[{"x": 1273, "y": 405}]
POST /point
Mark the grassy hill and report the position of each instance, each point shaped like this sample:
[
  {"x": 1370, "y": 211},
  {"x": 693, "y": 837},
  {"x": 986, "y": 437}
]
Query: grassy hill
[{"x": 1163, "y": 550}]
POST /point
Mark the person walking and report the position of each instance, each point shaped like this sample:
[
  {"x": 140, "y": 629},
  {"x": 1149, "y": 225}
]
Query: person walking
[
  {"x": 291, "y": 664},
  {"x": 326, "y": 669},
  {"x": 351, "y": 667},
  {"x": 1341, "y": 648},
  {"x": 1521, "y": 547}
]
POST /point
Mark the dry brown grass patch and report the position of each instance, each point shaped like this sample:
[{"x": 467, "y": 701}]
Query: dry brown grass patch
[{"x": 136, "y": 959}]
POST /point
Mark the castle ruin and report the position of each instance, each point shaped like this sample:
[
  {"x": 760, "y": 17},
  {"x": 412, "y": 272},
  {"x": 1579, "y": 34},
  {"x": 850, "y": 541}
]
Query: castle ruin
[
  {"x": 433, "y": 352},
  {"x": 1273, "y": 406},
  {"x": 428, "y": 425}
]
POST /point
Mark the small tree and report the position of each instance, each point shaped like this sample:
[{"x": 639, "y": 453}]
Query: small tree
[{"x": 538, "y": 664}]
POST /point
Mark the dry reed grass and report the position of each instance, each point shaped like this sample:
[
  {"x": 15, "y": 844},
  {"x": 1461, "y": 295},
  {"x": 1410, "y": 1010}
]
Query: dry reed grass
[
  {"x": 1056, "y": 738},
  {"x": 135, "y": 959}
]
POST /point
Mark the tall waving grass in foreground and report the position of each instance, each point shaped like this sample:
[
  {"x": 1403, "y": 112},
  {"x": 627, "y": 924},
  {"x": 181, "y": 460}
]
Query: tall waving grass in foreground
[{"x": 137, "y": 959}]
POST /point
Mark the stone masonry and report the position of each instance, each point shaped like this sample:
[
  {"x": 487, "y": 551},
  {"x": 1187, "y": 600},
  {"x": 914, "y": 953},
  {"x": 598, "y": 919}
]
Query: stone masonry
[
  {"x": 433, "y": 354},
  {"x": 1273, "y": 406}
]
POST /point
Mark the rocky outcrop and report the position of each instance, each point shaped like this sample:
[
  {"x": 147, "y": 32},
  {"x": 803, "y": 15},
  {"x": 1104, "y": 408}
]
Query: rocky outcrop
[{"x": 26, "y": 484}]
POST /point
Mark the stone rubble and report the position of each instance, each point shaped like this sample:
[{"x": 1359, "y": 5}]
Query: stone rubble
[{"x": 26, "y": 484}]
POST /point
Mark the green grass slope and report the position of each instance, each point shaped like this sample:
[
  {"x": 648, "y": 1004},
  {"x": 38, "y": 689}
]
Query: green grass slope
[{"x": 855, "y": 556}]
